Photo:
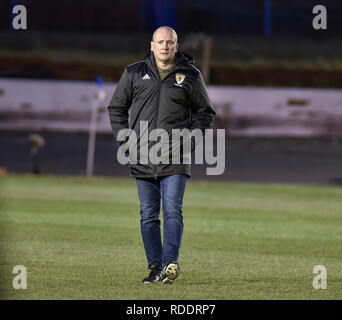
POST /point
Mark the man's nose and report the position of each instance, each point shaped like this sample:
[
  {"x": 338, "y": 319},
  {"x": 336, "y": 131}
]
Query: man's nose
[{"x": 165, "y": 45}]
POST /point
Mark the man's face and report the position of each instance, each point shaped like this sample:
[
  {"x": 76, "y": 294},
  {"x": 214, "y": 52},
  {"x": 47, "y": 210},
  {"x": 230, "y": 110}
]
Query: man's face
[{"x": 164, "y": 45}]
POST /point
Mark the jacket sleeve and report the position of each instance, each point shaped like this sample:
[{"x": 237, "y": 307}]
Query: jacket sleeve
[
  {"x": 203, "y": 113},
  {"x": 120, "y": 104}
]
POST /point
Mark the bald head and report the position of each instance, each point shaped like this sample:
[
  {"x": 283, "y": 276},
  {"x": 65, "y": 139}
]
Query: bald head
[{"x": 162, "y": 30}]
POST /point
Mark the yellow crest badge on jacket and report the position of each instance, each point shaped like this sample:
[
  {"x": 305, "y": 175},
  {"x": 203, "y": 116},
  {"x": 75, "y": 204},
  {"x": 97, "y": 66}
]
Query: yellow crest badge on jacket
[{"x": 180, "y": 78}]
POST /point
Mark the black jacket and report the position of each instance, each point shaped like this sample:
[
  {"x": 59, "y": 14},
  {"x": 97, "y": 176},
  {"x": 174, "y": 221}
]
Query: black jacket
[{"x": 141, "y": 96}]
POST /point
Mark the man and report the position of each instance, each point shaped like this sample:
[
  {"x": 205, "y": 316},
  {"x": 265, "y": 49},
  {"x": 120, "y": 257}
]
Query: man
[{"x": 168, "y": 92}]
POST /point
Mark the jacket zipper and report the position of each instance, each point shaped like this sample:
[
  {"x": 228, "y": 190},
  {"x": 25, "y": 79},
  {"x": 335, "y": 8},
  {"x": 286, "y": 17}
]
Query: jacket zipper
[
  {"x": 156, "y": 115},
  {"x": 155, "y": 122}
]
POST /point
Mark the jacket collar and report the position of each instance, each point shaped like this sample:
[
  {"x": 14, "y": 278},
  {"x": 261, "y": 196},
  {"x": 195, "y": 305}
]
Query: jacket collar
[{"x": 183, "y": 61}]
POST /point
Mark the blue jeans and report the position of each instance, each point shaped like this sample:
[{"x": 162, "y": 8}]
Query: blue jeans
[{"x": 170, "y": 190}]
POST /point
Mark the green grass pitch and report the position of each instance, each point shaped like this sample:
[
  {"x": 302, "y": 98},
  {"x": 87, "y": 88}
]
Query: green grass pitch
[{"x": 79, "y": 238}]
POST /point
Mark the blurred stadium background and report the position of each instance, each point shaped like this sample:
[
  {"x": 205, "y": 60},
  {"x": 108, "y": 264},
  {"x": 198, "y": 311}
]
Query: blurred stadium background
[
  {"x": 276, "y": 84},
  {"x": 275, "y": 81}
]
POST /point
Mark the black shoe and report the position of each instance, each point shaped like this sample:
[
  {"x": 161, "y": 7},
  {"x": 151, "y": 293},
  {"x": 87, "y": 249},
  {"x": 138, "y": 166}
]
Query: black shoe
[
  {"x": 170, "y": 272},
  {"x": 155, "y": 274}
]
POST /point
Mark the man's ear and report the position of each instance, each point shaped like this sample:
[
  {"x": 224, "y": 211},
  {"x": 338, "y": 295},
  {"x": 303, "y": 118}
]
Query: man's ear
[
  {"x": 176, "y": 48},
  {"x": 152, "y": 45}
]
